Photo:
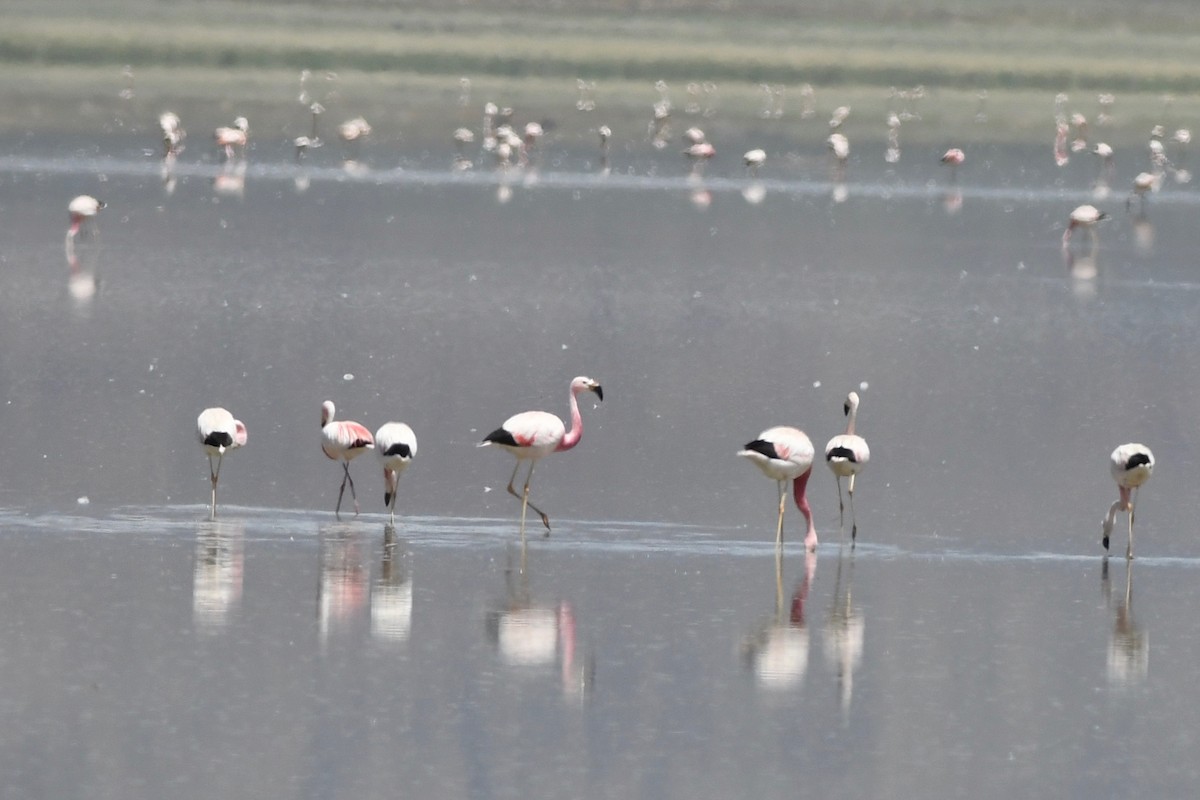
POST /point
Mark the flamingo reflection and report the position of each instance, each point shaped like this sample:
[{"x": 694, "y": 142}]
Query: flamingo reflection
[
  {"x": 82, "y": 281},
  {"x": 843, "y": 638},
  {"x": 1128, "y": 644},
  {"x": 530, "y": 635},
  {"x": 392, "y": 591},
  {"x": 217, "y": 570},
  {"x": 776, "y": 651},
  {"x": 342, "y": 589}
]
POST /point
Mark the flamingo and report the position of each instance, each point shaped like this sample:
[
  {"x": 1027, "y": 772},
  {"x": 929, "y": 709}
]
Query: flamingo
[
  {"x": 218, "y": 432},
  {"x": 954, "y": 157},
  {"x": 172, "y": 132},
  {"x": 839, "y": 145},
  {"x": 81, "y": 209},
  {"x": 786, "y": 454},
  {"x": 234, "y": 138},
  {"x": 531, "y": 435},
  {"x": 343, "y": 440},
  {"x": 1143, "y": 183},
  {"x": 1131, "y": 466},
  {"x": 352, "y": 132},
  {"x": 1085, "y": 216},
  {"x": 700, "y": 151},
  {"x": 397, "y": 447},
  {"x": 846, "y": 455},
  {"x": 753, "y": 159}
]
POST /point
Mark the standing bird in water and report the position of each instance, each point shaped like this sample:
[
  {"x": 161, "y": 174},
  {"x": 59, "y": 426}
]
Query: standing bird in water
[
  {"x": 846, "y": 455},
  {"x": 81, "y": 209},
  {"x": 954, "y": 158},
  {"x": 397, "y": 447},
  {"x": 786, "y": 454},
  {"x": 1131, "y": 466},
  {"x": 218, "y": 432},
  {"x": 233, "y": 139},
  {"x": 1083, "y": 217},
  {"x": 531, "y": 435},
  {"x": 343, "y": 440}
]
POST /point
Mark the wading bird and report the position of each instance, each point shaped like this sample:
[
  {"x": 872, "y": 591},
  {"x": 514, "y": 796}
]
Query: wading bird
[
  {"x": 753, "y": 159},
  {"x": 954, "y": 158},
  {"x": 1085, "y": 216},
  {"x": 786, "y": 454},
  {"x": 233, "y": 139},
  {"x": 397, "y": 447},
  {"x": 1131, "y": 466},
  {"x": 219, "y": 433},
  {"x": 533, "y": 434},
  {"x": 343, "y": 440},
  {"x": 846, "y": 455},
  {"x": 80, "y": 210}
]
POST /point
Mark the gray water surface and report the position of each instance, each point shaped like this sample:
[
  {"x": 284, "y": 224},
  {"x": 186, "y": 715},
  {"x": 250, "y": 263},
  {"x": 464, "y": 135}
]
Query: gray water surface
[{"x": 973, "y": 645}]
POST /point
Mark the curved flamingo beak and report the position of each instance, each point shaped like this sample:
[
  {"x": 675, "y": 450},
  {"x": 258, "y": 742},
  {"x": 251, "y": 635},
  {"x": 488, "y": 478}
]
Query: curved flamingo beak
[{"x": 599, "y": 391}]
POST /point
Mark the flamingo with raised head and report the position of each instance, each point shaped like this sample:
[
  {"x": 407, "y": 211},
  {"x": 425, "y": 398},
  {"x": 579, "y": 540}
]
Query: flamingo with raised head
[
  {"x": 396, "y": 445},
  {"x": 532, "y": 435},
  {"x": 343, "y": 440},
  {"x": 1131, "y": 465},
  {"x": 786, "y": 454},
  {"x": 219, "y": 433},
  {"x": 846, "y": 454}
]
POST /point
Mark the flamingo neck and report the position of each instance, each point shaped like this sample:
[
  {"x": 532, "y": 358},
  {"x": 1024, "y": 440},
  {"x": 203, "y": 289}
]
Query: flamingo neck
[
  {"x": 851, "y": 419},
  {"x": 799, "y": 487},
  {"x": 575, "y": 433}
]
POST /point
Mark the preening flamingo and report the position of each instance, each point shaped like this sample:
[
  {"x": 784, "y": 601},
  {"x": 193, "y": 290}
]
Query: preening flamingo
[
  {"x": 233, "y": 139},
  {"x": 397, "y": 447},
  {"x": 531, "y": 435},
  {"x": 343, "y": 440},
  {"x": 1131, "y": 466},
  {"x": 219, "y": 433},
  {"x": 786, "y": 454},
  {"x": 846, "y": 455},
  {"x": 1085, "y": 216}
]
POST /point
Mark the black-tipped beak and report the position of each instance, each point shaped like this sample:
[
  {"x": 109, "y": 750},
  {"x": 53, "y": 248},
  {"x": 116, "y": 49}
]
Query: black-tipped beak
[
  {"x": 387, "y": 499},
  {"x": 846, "y": 409},
  {"x": 599, "y": 392}
]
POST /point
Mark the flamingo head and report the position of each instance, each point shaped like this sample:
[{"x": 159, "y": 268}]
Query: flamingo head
[
  {"x": 851, "y": 403},
  {"x": 585, "y": 384},
  {"x": 327, "y": 411}
]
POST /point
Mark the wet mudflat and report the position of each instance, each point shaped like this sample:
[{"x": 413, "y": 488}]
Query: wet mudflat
[{"x": 973, "y": 643}]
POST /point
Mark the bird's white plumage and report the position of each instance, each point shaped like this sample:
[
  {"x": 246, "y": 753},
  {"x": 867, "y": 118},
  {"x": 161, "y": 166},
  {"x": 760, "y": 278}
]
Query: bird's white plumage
[
  {"x": 218, "y": 420},
  {"x": 794, "y": 453},
  {"x": 1127, "y": 475},
  {"x": 84, "y": 206}
]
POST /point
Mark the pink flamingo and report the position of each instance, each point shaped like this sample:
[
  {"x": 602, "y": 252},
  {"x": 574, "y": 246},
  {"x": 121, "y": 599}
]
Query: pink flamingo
[
  {"x": 954, "y": 157},
  {"x": 81, "y": 209},
  {"x": 1131, "y": 465},
  {"x": 343, "y": 440},
  {"x": 1085, "y": 216},
  {"x": 234, "y": 138},
  {"x": 218, "y": 432},
  {"x": 786, "y": 454},
  {"x": 397, "y": 447},
  {"x": 531, "y": 435},
  {"x": 846, "y": 455}
]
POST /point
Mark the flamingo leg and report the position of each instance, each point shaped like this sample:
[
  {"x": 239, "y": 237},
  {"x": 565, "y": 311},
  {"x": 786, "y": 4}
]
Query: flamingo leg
[
  {"x": 337, "y": 511},
  {"x": 779, "y": 525},
  {"x": 352, "y": 493},
  {"x": 1129, "y": 547},
  {"x": 841, "y": 507},
  {"x": 214, "y": 476},
  {"x": 853, "y": 519},
  {"x": 525, "y": 500}
]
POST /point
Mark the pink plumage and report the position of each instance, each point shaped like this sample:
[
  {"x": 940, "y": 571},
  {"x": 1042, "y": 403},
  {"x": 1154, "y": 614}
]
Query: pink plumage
[
  {"x": 533, "y": 434},
  {"x": 343, "y": 440}
]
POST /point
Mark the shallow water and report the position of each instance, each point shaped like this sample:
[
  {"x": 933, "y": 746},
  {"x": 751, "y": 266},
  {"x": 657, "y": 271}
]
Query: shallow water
[{"x": 973, "y": 644}]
